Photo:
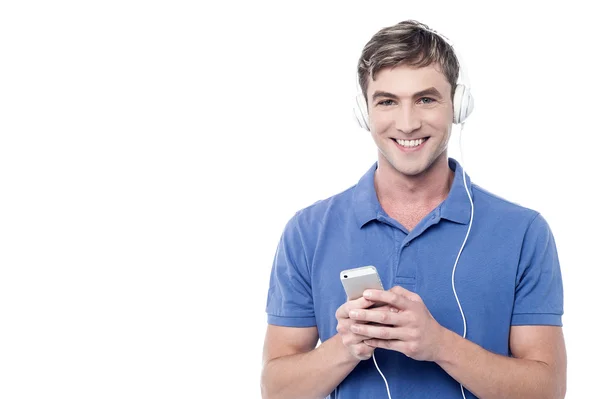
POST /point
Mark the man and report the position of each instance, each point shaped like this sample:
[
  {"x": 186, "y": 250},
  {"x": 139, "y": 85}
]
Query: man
[{"x": 408, "y": 216}]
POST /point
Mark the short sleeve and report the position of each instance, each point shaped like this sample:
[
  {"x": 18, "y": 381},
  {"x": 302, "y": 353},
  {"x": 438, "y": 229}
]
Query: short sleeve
[
  {"x": 539, "y": 287},
  {"x": 289, "y": 300}
]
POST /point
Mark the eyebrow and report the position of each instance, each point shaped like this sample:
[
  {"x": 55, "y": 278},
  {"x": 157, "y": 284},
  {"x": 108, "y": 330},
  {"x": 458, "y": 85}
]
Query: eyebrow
[{"x": 431, "y": 91}]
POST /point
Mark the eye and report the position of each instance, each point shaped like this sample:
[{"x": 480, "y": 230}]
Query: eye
[
  {"x": 427, "y": 100},
  {"x": 386, "y": 102}
]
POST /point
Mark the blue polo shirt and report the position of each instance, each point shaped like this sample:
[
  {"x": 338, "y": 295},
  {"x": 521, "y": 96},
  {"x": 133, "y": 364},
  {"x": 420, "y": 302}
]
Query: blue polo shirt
[{"x": 508, "y": 274}]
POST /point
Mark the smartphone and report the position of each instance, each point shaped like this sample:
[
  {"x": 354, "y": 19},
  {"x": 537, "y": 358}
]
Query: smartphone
[{"x": 359, "y": 279}]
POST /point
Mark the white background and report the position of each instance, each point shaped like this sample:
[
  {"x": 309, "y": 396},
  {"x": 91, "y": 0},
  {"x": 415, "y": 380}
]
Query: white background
[{"x": 152, "y": 152}]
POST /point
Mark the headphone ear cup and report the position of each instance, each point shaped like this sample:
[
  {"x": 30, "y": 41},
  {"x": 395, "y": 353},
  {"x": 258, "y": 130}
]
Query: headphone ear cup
[
  {"x": 360, "y": 112},
  {"x": 463, "y": 103}
]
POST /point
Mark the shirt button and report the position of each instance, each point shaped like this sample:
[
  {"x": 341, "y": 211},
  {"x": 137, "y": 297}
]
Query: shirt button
[{"x": 407, "y": 244}]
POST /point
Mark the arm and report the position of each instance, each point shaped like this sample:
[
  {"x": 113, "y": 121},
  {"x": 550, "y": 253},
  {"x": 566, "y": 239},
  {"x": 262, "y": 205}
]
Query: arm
[
  {"x": 537, "y": 370},
  {"x": 538, "y": 366},
  {"x": 293, "y": 368}
]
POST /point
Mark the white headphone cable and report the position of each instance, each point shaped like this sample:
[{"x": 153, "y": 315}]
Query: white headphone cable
[
  {"x": 464, "y": 242},
  {"x": 382, "y": 376}
]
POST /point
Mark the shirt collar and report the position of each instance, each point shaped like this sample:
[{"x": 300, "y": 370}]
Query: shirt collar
[
  {"x": 366, "y": 203},
  {"x": 456, "y": 207}
]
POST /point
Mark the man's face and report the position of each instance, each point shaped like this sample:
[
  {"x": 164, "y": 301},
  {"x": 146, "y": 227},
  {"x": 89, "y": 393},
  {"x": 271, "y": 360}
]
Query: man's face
[{"x": 410, "y": 117}]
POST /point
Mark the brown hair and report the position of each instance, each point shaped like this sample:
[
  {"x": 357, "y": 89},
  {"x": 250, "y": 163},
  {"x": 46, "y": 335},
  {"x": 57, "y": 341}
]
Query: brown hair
[{"x": 407, "y": 43}]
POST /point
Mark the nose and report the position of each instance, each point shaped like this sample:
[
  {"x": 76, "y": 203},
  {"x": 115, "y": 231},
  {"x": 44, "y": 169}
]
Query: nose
[{"x": 407, "y": 120}]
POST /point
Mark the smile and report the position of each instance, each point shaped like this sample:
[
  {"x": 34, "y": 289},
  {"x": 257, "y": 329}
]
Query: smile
[{"x": 411, "y": 143}]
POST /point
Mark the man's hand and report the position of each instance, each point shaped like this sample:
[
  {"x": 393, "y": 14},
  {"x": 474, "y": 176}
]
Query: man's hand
[
  {"x": 352, "y": 341},
  {"x": 406, "y": 327}
]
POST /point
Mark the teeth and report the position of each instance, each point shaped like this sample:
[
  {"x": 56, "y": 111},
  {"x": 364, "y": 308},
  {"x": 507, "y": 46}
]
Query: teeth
[{"x": 410, "y": 143}]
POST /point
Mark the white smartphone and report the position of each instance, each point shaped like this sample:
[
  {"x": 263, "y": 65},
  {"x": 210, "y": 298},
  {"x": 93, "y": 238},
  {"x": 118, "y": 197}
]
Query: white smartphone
[{"x": 359, "y": 279}]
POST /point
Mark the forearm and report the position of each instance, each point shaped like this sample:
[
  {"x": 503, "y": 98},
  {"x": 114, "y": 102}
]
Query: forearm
[
  {"x": 308, "y": 375},
  {"x": 489, "y": 376}
]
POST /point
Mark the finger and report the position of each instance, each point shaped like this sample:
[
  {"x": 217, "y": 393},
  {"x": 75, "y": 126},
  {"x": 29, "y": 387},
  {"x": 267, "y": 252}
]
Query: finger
[
  {"x": 344, "y": 326},
  {"x": 408, "y": 348},
  {"x": 360, "y": 303},
  {"x": 355, "y": 339},
  {"x": 390, "y": 317},
  {"x": 350, "y": 338},
  {"x": 363, "y": 351},
  {"x": 382, "y": 343},
  {"x": 385, "y": 332},
  {"x": 384, "y": 308},
  {"x": 413, "y": 296},
  {"x": 391, "y": 298},
  {"x": 376, "y": 331}
]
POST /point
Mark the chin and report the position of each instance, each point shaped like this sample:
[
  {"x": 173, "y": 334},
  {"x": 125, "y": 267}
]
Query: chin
[{"x": 409, "y": 170}]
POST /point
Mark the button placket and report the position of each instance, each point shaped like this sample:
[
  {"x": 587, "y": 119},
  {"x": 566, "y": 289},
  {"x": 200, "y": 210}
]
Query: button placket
[{"x": 405, "y": 272}]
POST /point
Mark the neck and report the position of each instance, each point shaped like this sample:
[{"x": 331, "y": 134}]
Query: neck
[{"x": 428, "y": 188}]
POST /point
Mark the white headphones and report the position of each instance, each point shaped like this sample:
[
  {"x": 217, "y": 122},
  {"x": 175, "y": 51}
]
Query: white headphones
[{"x": 462, "y": 101}]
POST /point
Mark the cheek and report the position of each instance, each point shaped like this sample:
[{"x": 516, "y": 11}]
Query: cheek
[
  {"x": 380, "y": 124},
  {"x": 439, "y": 121}
]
